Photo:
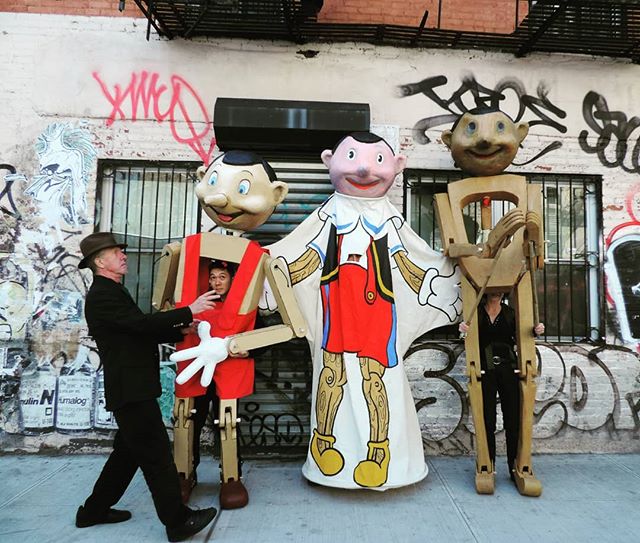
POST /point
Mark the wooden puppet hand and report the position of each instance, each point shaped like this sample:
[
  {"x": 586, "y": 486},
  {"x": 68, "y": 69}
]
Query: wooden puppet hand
[
  {"x": 207, "y": 354},
  {"x": 506, "y": 227}
]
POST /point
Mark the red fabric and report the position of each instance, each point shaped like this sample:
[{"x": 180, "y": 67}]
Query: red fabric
[
  {"x": 356, "y": 318},
  {"x": 234, "y": 376}
]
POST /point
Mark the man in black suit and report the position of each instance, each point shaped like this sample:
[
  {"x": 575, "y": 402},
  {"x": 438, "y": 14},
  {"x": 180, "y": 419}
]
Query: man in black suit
[{"x": 127, "y": 341}]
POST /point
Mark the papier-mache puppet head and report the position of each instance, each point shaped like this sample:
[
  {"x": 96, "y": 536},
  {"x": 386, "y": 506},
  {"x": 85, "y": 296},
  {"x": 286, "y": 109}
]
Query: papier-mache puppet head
[
  {"x": 239, "y": 190},
  {"x": 484, "y": 140},
  {"x": 363, "y": 165}
]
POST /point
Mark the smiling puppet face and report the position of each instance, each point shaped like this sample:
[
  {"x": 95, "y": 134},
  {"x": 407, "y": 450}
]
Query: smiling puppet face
[
  {"x": 484, "y": 141},
  {"x": 239, "y": 191},
  {"x": 362, "y": 165}
]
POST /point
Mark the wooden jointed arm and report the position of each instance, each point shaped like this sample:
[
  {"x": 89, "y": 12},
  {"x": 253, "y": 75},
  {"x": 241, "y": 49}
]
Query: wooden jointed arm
[
  {"x": 294, "y": 323},
  {"x": 165, "y": 284}
]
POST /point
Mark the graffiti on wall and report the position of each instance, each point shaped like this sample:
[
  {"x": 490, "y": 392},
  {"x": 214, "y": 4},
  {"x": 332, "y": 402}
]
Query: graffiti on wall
[
  {"x": 67, "y": 158},
  {"x": 580, "y": 392},
  {"x": 144, "y": 97},
  {"x": 509, "y": 95},
  {"x": 615, "y": 134}
]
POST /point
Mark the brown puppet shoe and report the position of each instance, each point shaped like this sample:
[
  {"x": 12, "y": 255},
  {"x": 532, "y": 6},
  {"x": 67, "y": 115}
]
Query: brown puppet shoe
[{"x": 233, "y": 495}]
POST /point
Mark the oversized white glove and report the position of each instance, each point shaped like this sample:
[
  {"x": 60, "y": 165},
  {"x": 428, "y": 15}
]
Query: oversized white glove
[
  {"x": 207, "y": 354},
  {"x": 441, "y": 292}
]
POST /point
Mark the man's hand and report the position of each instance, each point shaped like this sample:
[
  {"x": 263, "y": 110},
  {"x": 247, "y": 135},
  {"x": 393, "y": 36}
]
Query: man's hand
[
  {"x": 207, "y": 354},
  {"x": 204, "y": 302},
  {"x": 538, "y": 329}
]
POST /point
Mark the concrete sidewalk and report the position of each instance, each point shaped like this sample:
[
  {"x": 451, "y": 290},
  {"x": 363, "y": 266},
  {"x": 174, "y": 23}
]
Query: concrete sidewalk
[{"x": 586, "y": 498}]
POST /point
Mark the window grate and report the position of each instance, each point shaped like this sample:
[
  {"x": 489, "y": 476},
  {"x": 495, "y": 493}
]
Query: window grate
[{"x": 569, "y": 286}]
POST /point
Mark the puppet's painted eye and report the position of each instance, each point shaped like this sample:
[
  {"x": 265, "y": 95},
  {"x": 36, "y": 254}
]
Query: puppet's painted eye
[
  {"x": 351, "y": 154},
  {"x": 244, "y": 186},
  {"x": 214, "y": 178},
  {"x": 380, "y": 158},
  {"x": 500, "y": 126},
  {"x": 471, "y": 127}
]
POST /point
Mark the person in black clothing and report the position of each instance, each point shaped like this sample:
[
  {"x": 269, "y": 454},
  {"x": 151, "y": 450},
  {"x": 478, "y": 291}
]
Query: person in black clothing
[
  {"x": 497, "y": 335},
  {"x": 127, "y": 341}
]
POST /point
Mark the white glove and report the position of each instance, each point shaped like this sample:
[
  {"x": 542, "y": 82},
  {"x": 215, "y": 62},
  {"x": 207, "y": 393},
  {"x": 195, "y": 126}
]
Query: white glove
[
  {"x": 441, "y": 292},
  {"x": 207, "y": 354}
]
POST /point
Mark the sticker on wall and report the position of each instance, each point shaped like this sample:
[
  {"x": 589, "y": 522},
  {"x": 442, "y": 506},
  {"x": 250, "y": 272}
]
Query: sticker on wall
[
  {"x": 167, "y": 381},
  {"x": 75, "y": 394},
  {"x": 103, "y": 419},
  {"x": 66, "y": 157},
  {"x": 38, "y": 398}
]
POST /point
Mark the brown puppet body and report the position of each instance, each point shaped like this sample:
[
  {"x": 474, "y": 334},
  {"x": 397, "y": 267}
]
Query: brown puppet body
[{"x": 483, "y": 142}]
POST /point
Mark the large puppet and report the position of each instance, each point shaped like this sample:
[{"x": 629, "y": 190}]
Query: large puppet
[
  {"x": 483, "y": 142},
  {"x": 368, "y": 286},
  {"x": 239, "y": 192}
]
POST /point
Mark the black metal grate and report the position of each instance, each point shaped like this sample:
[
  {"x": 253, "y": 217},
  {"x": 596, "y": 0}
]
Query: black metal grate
[
  {"x": 570, "y": 283},
  {"x": 593, "y": 27}
]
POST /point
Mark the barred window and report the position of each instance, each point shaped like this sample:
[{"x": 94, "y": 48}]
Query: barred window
[{"x": 569, "y": 286}]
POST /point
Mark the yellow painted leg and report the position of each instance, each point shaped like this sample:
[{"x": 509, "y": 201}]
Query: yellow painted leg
[
  {"x": 233, "y": 493},
  {"x": 526, "y": 482},
  {"x": 328, "y": 398},
  {"x": 485, "y": 482},
  {"x": 183, "y": 444}
]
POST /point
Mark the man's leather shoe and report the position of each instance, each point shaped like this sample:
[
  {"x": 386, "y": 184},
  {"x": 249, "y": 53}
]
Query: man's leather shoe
[
  {"x": 196, "y": 521},
  {"x": 84, "y": 520},
  {"x": 233, "y": 495}
]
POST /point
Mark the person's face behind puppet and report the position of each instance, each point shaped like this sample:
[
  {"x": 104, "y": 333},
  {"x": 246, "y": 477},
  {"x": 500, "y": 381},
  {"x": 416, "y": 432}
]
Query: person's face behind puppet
[
  {"x": 238, "y": 197},
  {"x": 485, "y": 143},
  {"x": 363, "y": 170}
]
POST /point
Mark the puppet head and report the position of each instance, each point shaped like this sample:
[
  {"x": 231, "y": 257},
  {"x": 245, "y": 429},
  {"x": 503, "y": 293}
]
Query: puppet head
[
  {"x": 362, "y": 165},
  {"x": 239, "y": 190},
  {"x": 484, "y": 140}
]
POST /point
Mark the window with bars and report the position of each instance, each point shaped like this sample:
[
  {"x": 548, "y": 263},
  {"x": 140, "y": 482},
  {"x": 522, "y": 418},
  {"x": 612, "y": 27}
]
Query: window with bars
[
  {"x": 149, "y": 204},
  {"x": 569, "y": 289}
]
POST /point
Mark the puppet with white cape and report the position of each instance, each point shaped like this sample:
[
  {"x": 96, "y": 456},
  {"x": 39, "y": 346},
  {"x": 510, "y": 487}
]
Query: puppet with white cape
[{"x": 368, "y": 286}]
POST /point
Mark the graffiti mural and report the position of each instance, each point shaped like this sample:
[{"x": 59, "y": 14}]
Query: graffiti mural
[
  {"x": 179, "y": 104},
  {"x": 509, "y": 94},
  {"x": 581, "y": 391},
  {"x": 615, "y": 134},
  {"x": 67, "y": 158}
]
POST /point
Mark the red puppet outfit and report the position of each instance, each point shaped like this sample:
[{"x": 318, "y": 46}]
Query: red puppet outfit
[
  {"x": 233, "y": 376},
  {"x": 358, "y": 306}
]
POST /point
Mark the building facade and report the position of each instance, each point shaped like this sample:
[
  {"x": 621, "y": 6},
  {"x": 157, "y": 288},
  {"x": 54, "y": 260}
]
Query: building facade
[{"x": 103, "y": 129}]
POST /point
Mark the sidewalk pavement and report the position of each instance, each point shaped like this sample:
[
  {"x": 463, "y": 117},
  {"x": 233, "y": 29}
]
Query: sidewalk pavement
[{"x": 585, "y": 498}]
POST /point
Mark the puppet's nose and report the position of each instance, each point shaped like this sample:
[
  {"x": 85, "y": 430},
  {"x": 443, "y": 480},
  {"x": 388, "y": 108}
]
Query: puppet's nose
[
  {"x": 216, "y": 200},
  {"x": 363, "y": 171}
]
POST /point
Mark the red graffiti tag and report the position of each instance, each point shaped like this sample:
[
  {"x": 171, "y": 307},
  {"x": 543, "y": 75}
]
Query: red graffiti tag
[{"x": 150, "y": 100}]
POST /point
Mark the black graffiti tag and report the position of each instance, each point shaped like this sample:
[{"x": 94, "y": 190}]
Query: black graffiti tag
[
  {"x": 5, "y": 194},
  {"x": 610, "y": 127},
  {"x": 471, "y": 94}
]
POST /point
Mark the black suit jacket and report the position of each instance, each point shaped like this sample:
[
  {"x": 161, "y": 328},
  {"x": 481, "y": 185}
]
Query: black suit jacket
[{"x": 127, "y": 341}]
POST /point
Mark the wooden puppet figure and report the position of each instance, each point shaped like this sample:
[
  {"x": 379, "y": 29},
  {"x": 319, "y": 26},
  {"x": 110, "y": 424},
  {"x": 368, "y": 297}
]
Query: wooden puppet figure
[
  {"x": 483, "y": 142},
  {"x": 238, "y": 191}
]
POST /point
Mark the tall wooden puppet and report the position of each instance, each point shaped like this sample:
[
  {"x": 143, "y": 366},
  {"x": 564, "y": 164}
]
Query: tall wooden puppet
[
  {"x": 238, "y": 191},
  {"x": 483, "y": 142},
  {"x": 368, "y": 286}
]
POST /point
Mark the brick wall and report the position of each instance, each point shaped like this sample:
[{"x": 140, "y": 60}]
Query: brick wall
[
  {"x": 479, "y": 15},
  {"x": 105, "y": 8}
]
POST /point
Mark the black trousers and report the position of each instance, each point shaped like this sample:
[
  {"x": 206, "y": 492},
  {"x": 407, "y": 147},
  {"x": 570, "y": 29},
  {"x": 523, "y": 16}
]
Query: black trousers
[
  {"x": 203, "y": 405},
  {"x": 140, "y": 442},
  {"x": 502, "y": 381}
]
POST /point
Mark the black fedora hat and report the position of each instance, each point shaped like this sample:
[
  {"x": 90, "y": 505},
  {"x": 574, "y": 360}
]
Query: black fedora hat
[{"x": 93, "y": 243}]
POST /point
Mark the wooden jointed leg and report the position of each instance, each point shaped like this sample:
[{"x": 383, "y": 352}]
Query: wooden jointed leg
[
  {"x": 485, "y": 482},
  {"x": 233, "y": 494},
  {"x": 526, "y": 482},
  {"x": 183, "y": 444}
]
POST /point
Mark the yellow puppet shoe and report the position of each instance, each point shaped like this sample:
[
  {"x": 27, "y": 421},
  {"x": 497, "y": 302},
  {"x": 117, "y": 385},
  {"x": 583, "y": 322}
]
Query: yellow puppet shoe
[
  {"x": 373, "y": 471},
  {"x": 328, "y": 459}
]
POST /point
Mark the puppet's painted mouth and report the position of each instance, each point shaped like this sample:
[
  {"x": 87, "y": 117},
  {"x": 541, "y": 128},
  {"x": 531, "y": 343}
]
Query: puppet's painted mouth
[
  {"x": 228, "y": 217},
  {"x": 362, "y": 186},
  {"x": 484, "y": 155}
]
